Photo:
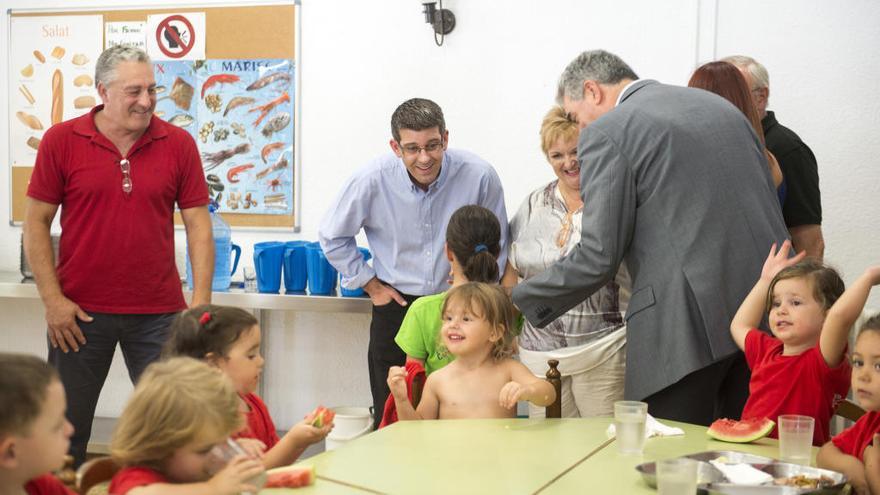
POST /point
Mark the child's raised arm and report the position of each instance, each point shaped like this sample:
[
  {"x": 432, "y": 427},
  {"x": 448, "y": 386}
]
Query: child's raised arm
[
  {"x": 843, "y": 314},
  {"x": 429, "y": 405},
  {"x": 830, "y": 457},
  {"x": 751, "y": 311},
  {"x": 523, "y": 385}
]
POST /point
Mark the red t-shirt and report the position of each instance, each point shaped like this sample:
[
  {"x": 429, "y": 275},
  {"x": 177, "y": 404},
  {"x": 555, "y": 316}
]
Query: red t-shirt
[
  {"x": 259, "y": 423},
  {"x": 132, "y": 477},
  {"x": 47, "y": 485},
  {"x": 802, "y": 384},
  {"x": 117, "y": 250},
  {"x": 853, "y": 440}
]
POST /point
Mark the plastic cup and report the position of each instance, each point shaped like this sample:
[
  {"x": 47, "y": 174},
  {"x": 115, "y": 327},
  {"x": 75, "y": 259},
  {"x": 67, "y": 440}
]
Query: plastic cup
[
  {"x": 677, "y": 476},
  {"x": 629, "y": 424},
  {"x": 796, "y": 438},
  {"x": 223, "y": 453},
  {"x": 250, "y": 279}
]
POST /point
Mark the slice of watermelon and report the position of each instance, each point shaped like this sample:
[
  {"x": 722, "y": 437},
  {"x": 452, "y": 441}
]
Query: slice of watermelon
[
  {"x": 744, "y": 431},
  {"x": 322, "y": 416},
  {"x": 291, "y": 477}
]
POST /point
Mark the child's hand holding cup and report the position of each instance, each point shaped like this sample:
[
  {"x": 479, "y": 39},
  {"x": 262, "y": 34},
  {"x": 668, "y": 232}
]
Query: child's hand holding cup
[{"x": 235, "y": 466}]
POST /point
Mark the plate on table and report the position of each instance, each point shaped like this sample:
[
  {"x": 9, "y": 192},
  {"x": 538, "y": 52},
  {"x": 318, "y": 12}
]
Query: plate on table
[{"x": 788, "y": 479}]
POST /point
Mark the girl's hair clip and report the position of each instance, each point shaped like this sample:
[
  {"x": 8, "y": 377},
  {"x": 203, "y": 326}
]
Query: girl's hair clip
[
  {"x": 205, "y": 318},
  {"x": 480, "y": 248}
]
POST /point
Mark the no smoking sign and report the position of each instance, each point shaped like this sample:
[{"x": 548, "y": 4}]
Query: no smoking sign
[{"x": 176, "y": 36}]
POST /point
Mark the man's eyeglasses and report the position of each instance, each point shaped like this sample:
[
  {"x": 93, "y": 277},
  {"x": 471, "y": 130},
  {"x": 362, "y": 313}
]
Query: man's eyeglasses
[
  {"x": 126, "y": 175},
  {"x": 412, "y": 149}
]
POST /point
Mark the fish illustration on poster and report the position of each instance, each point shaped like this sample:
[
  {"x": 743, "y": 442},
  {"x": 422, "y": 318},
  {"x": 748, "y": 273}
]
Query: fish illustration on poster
[
  {"x": 175, "y": 90},
  {"x": 245, "y": 132}
]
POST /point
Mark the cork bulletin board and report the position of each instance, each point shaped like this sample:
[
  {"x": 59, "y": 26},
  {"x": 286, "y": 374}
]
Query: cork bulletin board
[{"x": 253, "y": 32}]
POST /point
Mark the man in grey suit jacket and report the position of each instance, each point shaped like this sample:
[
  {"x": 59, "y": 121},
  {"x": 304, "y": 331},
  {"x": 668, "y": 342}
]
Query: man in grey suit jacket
[{"x": 675, "y": 183}]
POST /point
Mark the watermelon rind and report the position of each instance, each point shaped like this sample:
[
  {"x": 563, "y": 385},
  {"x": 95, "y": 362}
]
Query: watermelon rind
[{"x": 744, "y": 431}]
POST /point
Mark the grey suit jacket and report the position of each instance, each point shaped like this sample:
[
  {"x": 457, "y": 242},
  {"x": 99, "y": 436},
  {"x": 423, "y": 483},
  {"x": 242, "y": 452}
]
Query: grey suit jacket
[{"x": 673, "y": 181}]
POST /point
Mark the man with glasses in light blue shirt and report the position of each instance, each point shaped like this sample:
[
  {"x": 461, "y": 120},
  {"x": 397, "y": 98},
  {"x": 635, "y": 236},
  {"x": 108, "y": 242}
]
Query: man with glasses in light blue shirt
[{"x": 403, "y": 200}]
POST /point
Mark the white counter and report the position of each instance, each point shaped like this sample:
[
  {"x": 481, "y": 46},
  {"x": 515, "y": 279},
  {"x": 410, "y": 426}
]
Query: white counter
[
  {"x": 315, "y": 350},
  {"x": 11, "y": 285}
]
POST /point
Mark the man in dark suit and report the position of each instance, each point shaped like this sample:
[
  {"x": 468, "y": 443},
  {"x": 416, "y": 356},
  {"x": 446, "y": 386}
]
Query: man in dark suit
[{"x": 674, "y": 182}]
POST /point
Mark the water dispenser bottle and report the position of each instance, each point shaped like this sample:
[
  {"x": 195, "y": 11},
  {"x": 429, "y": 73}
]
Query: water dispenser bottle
[{"x": 223, "y": 248}]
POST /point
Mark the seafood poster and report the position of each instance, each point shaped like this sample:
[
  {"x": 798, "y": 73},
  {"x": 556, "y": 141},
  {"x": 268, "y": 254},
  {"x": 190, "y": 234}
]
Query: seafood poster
[
  {"x": 175, "y": 94},
  {"x": 51, "y": 76},
  {"x": 244, "y": 129}
]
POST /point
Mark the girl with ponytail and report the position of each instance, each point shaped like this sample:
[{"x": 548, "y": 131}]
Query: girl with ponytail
[{"x": 473, "y": 238}]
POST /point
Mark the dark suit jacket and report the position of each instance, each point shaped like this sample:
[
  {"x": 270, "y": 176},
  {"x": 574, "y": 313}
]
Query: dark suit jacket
[{"x": 673, "y": 181}]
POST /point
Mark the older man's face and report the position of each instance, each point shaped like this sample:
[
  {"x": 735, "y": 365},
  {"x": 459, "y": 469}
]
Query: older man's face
[
  {"x": 586, "y": 110},
  {"x": 759, "y": 95},
  {"x": 130, "y": 98}
]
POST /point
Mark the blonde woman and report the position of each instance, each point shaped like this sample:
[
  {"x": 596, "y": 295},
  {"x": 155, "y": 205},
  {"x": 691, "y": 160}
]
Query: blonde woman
[{"x": 589, "y": 341}]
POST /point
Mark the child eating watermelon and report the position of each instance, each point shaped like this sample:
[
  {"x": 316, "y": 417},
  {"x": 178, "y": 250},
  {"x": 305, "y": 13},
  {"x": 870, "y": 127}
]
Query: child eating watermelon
[
  {"x": 229, "y": 338},
  {"x": 801, "y": 369}
]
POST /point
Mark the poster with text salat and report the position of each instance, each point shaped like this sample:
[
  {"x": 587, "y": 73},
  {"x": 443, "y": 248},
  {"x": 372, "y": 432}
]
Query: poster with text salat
[
  {"x": 51, "y": 76},
  {"x": 245, "y": 132}
]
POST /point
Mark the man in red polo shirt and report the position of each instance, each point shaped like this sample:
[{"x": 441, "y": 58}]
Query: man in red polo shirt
[{"x": 117, "y": 173}]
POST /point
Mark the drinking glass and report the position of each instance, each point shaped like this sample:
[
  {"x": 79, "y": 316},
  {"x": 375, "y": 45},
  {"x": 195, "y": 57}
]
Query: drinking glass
[
  {"x": 676, "y": 476},
  {"x": 796, "y": 438},
  {"x": 250, "y": 279},
  {"x": 629, "y": 424},
  {"x": 225, "y": 452}
]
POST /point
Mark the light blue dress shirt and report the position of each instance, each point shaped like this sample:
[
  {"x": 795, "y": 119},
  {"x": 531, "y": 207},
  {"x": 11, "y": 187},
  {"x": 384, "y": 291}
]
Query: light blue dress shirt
[{"x": 406, "y": 226}]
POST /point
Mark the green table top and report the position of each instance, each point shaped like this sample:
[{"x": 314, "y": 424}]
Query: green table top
[
  {"x": 505, "y": 456},
  {"x": 463, "y": 456},
  {"x": 612, "y": 471}
]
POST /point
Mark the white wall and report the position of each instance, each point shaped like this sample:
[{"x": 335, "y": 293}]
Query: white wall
[{"x": 495, "y": 78}]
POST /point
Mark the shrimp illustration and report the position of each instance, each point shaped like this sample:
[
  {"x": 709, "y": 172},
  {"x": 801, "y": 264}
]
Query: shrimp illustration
[
  {"x": 218, "y": 79},
  {"x": 265, "y": 109},
  {"x": 268, "y": 149},
  {"x": 232, "y": 174}
]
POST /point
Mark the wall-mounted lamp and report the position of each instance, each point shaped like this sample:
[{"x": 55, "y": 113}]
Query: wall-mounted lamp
[{"x": 442, "y": 19}]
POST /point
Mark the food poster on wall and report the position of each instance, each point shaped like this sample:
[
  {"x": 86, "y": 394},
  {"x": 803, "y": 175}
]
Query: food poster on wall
[
  {"x": 245, "y": 133},
  {"x": 51, "y": 76},
  {"x": 175, "y": 92}
]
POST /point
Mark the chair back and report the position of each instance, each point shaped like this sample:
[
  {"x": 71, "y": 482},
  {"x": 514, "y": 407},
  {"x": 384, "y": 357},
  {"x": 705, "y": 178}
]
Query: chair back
[
  {"x": 93, "y": 472},
  {"x": 849, "y": 410},
  {"x": 554, "y": 410}
]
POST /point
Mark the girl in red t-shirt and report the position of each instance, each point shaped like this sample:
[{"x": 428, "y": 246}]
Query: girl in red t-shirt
[
  {"x": 229, "y": 338},
  {"x": 856, "y": 451},
  {"x": 165, "y": 440},
  {"x": 808, "y": 346}
]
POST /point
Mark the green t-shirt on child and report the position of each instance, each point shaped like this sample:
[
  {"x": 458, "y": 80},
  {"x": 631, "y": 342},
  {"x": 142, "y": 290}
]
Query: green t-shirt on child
[{"x": 420, "y": 330}]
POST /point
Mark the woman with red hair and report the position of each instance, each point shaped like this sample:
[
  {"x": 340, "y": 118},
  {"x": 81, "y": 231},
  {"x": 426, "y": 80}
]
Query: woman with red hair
[{"x": 725, "y": 80}]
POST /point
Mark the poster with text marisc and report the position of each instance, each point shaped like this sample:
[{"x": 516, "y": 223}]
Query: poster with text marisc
[{"x": 51, "y": 76}]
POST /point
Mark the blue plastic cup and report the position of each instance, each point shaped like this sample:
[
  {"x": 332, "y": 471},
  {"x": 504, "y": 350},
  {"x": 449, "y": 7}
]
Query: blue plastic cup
[
  {"x": 268, "y": 259},
  {"x": 321, "y": 275},
  {"x": 360, "y": 290},
  {"x": 295, "y": 266}
]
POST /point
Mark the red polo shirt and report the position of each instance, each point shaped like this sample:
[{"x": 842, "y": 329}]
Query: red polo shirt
[{"x": 117, "y": 250}]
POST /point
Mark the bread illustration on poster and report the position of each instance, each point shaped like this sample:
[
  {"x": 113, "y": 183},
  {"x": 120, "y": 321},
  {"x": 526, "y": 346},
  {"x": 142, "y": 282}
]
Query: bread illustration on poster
[{"x": 51, "y": 76}]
